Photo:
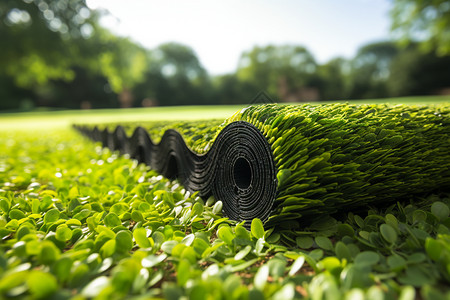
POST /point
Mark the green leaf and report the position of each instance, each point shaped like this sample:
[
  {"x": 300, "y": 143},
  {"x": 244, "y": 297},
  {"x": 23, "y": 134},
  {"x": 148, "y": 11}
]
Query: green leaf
[
  {"x": 287, "y": 292},
  {"x": 178, "y": 250},
  {"x": 141, "y": 280},
  {"x": 83, "y": 214},
  {"x": 243, "y": 253},
  {"x": 63, "y": 233},
  {"x": 388, "y": 233},
  {"x": 392, "y": 221},
  {"x": 200, "y": 245},
  {"x": 434, "y": 249},
  {"x": 244, "y": 265},
  {"x": 419, "y": 216},
  {"x": 197, "y": 209},
  {"x": 124, "y": 241},
  {"x": 119, "y": 208},
  {"x": 16, "y": 214},
  {"x": 359, "y": 221},
  {"x": 304, "y": 242},
  {"x": 158, "y": 238},
  {"x": 189, "y": 254},
  {"x": 345, "y": 229},
  {"x": 33, "y": 247},
  {"x": 257, "y": 228},
  {"x": 407, "y": 293},
  {"x": 152, "y": 260},
  {"x": 51, "y": 216},
  {"x": 217, "y": 208},
  {"x": 108, "y": 248},
  {"x": 261, "y": 276},
  {"x": 331, "y": 264},
  {"x": 433, "y": 293},
  {"x": 416, "y": 258},
  {"x": 112, "y": 220},
  {"x": 324, "y": 243},
  {"x": 13, "y": 280},
  {"x": 35, "y": 204},
  {"x": 140, "y": 236},
  {"x": 225, "y": 234},
  {"x": 367, "y": 258},
  {"x": 172, "y": 292},
  {"x": 94, "y": 287},
  {"x": 46, "y": 202},
  {"x": 273, "y": 238},
  {"x": 168, "y": 246},
  {"x": 417, "y": 276},
  {"x": 342, "y": 251},
  {"x": 241, "y": 232},
  {"x": 73, "y": 192},
  {"x": 316, "y": 254},
  {"x": 440, "y": 210},
  {"x": 4, "y": 205},
  {"x": 183, "y": 272},
  {"x": 23, "y": 230},
  {"x": 188, "y": 239},
  {"x": 297, "y": 265},
  {"x": 259, "y": 247},
  {"x": 73, "y": 223},
  {"x": 61, "y": 268},
  {"x": 41, "y": 284},
  {"x": 48, "y": 253},
  {"x": 137, "y": 216},
  {"x": 277, "y": 267},
  {"x": 73, "y": 204},
  {"x": 396, "y": 263}
]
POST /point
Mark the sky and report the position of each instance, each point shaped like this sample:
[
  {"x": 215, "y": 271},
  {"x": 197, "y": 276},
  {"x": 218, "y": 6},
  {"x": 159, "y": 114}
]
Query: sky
[{"x": 219, "y": 31}]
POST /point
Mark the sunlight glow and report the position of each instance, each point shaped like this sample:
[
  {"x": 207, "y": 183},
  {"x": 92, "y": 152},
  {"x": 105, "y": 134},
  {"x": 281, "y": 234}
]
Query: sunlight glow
[{"x": 219, "y": 31}]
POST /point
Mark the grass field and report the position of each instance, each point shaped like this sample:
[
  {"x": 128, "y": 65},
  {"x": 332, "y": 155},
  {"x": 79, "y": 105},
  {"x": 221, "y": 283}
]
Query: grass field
[
  {"x": 81, "y": 222},
  {"x": 48, "y": 119}
]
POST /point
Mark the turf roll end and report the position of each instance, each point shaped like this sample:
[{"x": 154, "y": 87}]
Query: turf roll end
[{"x": 245, "y": 178}]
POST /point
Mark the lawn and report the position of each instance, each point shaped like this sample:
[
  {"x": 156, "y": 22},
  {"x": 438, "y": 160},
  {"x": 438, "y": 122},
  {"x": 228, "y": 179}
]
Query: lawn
[
  {"x": 46, "y": 119},
  {"x": 79, "y": 221}
]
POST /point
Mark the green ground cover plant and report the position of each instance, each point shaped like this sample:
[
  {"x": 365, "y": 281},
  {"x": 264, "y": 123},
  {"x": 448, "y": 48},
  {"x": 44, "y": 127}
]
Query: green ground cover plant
[{"x": 78, "y": 221}]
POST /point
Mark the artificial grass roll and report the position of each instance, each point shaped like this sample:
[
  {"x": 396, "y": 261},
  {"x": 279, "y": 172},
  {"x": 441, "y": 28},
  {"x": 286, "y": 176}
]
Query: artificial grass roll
[
  {"x": 285, "y": 163},
  {"x": 341, "y": 157},
  {"x": 236, "y": 165}
]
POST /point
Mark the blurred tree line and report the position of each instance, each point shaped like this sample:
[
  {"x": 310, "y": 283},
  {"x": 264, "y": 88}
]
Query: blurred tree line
[{"x": 54, "y": 53}]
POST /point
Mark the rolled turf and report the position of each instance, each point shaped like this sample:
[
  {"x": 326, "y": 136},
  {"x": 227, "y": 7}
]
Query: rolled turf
[{"x": 288, "y": 163}]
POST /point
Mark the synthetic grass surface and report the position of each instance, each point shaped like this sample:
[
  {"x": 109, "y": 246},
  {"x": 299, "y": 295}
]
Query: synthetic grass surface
[{"x": 328, "y": 158}]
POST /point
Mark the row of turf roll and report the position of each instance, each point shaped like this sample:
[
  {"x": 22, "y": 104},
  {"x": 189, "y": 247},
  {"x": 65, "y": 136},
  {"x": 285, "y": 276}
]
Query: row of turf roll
[{"x": 289, "y": 164}]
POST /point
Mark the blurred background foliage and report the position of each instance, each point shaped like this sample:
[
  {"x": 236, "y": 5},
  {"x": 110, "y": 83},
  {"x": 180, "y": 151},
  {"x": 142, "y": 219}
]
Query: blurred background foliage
[{"x": 55, "y": 54}]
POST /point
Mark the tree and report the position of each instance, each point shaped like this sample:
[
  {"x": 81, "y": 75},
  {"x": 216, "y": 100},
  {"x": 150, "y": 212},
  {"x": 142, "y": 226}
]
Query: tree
[
  {"x": 287, "y": 71},
  {"x": 40, "y": 38},
  {"x": 334, "y": 75},
  {"x": 54, "y": 47},
  {"x": 174, "y": 77},
  {"x": 417, "y": 73},
  {"x": 424, "y": 21},
  {"x": 41, "y": 42},
  {"x": 229, "y": 89},
  {"x": 370, "y": 70},
  {"x": 121, "y": 61}
]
